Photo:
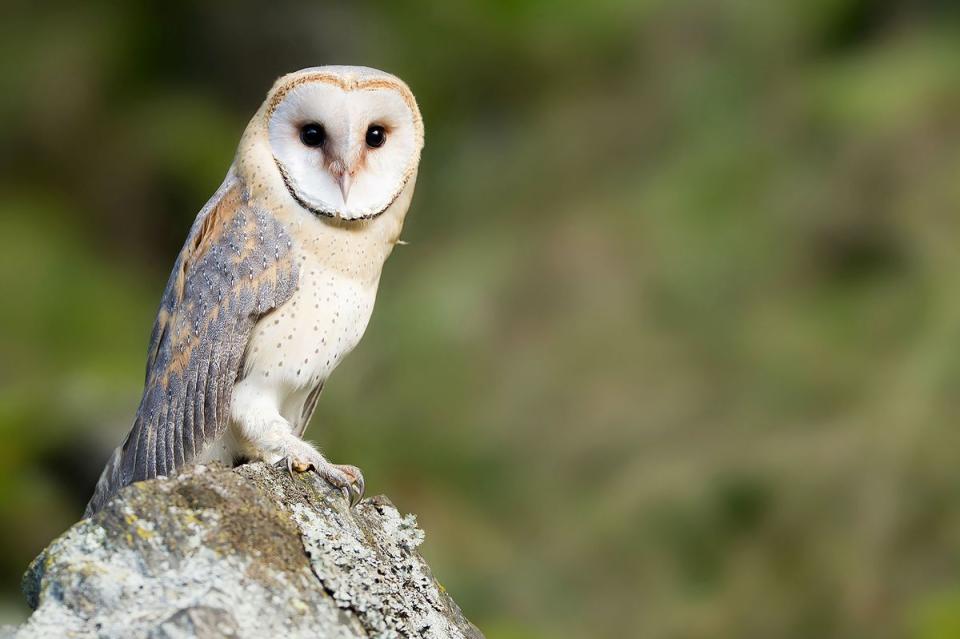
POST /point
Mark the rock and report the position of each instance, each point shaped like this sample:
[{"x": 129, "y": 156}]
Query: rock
[{"x": 245, "y": 552}]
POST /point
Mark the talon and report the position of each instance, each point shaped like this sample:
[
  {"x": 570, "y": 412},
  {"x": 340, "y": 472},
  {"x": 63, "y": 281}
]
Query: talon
[
  {"x": 352, "y": 495},
  {"x": 361, "y": 487},
  {"x": 355, "y": 484},
  {"x": 349, "y": 480}
]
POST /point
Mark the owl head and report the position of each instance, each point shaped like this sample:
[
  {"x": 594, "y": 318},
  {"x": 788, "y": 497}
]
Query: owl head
[{"x": 345, "y": 140}]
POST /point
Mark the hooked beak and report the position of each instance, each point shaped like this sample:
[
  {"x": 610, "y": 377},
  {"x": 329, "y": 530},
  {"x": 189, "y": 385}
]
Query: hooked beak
[{"x": 345, "y": 183}]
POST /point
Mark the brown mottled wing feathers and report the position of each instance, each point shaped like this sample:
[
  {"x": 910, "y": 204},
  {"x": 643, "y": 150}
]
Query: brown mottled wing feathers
[{"x": 235, "y": 266}]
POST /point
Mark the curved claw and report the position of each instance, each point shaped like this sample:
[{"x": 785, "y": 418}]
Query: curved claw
[
  {"x": 352, "y": 489},
  {"x": 354, "y": 486},
  {"x": 352, "y": 495},
  {"x": 360, "y": 488}
]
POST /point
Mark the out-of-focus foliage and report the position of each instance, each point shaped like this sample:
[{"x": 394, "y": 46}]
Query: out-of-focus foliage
[{"x": 674, "y": 350}]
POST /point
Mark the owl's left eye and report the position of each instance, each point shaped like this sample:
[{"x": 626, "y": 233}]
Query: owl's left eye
[
  {"x": 376, "y": 136},
  {"x": 312, "y": 134}
]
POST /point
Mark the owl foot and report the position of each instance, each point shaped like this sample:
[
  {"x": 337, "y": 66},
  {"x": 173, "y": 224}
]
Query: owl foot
[
  {"x": 348, "y": 479},
  {"x": 355, "y": 486}
]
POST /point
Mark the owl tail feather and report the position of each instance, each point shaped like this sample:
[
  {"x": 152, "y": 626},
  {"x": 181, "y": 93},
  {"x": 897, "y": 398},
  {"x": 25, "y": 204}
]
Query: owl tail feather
[{"x": 108, "y": 484}]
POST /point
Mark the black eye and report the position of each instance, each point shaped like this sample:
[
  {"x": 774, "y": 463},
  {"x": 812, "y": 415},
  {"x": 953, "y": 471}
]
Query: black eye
[
  {"x": 376, "y": 136},
  {"x": 312, "y": 134}
]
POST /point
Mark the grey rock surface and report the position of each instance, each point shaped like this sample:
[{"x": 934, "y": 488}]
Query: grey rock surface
[{"x": 245, "y": 552}]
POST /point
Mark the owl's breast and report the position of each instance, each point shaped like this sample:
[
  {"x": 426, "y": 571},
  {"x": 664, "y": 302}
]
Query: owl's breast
[{"x": 298, "y": 345}]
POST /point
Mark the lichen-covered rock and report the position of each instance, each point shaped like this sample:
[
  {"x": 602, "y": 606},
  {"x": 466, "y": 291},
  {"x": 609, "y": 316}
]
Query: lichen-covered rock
[{"x": 247, "y": 552}]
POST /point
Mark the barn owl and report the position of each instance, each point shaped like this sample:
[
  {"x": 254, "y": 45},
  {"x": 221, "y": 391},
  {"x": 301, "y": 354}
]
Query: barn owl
[{"x": 276, "y": 281}]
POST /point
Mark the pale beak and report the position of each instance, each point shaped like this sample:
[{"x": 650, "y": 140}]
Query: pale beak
[{"x": 345, "y": 182}]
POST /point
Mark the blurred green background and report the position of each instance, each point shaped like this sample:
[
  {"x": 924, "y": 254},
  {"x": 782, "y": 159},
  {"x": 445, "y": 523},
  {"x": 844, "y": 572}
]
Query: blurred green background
[{"x": 674, "y": 350}]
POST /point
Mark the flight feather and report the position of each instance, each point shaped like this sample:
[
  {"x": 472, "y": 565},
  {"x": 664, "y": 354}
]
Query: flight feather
[{"x": 236, "y": 266}]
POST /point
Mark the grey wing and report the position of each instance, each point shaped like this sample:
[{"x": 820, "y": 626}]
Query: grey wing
[{"x": 236, "y": 265}]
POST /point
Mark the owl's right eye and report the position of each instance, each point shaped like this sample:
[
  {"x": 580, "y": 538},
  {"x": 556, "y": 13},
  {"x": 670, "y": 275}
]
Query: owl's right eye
[{"x": 312, "y": 134}]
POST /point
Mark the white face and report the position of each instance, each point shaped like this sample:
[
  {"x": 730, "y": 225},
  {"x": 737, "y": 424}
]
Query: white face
[{"x": 345, "y": 153}]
